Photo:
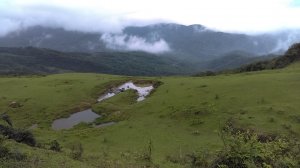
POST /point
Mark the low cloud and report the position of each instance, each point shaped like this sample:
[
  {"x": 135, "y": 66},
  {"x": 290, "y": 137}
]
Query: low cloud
[
  {"x": 113, "y": 15},
  {"x": 286, "y": 39},
  {"x": 83, "y": 15},
  {"x": 134, "y": 43}
]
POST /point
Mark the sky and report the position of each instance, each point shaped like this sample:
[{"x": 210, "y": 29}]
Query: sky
[{"x": 246, "y": 16}]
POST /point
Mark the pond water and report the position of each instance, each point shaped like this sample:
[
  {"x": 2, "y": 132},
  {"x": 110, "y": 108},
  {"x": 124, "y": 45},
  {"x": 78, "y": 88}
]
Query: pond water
[
  {"x": 105, "y": 124},
  {"x": 89, "y": 116},
  {"x": 76, "y": 118}
]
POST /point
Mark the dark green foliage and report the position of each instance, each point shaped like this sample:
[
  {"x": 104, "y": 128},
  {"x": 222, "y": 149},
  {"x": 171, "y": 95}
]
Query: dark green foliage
[
  {"x": 245, "y": 148},
  {"x": 234, "y": 60},
  {"x": 206, "y": 73},
  {"x": 22, "y": 136},
  {"x": 29, "y": 60},
  {"x": 55, "y": 146}
]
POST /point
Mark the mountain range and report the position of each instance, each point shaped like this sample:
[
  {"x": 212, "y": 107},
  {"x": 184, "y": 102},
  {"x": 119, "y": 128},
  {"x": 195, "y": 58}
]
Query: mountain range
[{"x": 191, "y": 48}]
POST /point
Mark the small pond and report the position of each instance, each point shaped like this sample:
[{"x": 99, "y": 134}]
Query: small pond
[
  {"x": 89, "y": 116},
  {"x": 86, "y": 116}
]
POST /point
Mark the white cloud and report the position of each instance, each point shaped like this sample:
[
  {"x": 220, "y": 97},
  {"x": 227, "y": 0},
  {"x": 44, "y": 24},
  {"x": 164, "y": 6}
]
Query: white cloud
[
  {"x": 134, "y": 43},
  {"x": 113, "y": 15},
  {"x": 286, "y": 40}
]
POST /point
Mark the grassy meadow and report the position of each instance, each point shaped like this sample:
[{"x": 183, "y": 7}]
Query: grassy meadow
[{"x": 183, "y": 115}]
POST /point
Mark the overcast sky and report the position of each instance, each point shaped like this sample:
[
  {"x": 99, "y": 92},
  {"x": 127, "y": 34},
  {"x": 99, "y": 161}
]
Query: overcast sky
[{"x": 112, "y": 15}]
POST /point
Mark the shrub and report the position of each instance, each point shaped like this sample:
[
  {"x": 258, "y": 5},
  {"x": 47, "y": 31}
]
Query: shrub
[
  {"x": 19, "y": 135},
  {"x": 245, "y": 148},
  {"x": 7, "y": 119},
  {"x": 55, "y": 146},
  {"x": 25, "y": 137}
]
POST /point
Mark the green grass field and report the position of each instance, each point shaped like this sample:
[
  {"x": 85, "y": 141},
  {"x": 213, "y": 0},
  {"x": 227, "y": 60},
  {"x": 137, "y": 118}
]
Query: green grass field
[{"x": 182, "y": 115}]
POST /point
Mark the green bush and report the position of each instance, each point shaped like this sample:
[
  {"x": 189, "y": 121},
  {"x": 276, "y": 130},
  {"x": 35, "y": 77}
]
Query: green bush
[
  {"x": 19, "y": 135},
  {"x": 55, "y": 146},
  {"x": 245, "y": 148},
  {"x": 7, "y": 154}
]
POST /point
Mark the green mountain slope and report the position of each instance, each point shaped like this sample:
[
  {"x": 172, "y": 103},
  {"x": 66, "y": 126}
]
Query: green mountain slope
[
  {"x": 30, "y": 60},
  {"x": 233, "y": 60},
  {"x": 291, "y": 56}
]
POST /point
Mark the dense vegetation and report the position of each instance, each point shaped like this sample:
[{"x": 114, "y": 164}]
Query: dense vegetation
[
  {"x": 268, "y": 62},
  {"x": 291, "y": 56},
  {"x": 234, "y": 60},
  {"x": 30, "y": 60}
]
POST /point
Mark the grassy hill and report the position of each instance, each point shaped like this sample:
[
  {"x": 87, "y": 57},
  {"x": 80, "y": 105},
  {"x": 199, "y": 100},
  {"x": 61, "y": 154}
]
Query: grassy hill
[{"x": 178, "y": 125}]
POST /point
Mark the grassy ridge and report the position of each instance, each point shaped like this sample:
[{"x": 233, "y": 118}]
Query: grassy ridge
[{"x": 183, "y": 115}]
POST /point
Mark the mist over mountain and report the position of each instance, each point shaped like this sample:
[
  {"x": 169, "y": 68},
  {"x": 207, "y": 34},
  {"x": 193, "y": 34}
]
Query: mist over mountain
[
  {"x": 174, "y": 48},
  {"x": 194, "y": 42},
  {"x": 53, "y": 38}
]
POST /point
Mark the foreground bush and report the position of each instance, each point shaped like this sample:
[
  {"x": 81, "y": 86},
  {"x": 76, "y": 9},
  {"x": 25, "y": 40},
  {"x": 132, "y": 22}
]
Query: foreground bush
[
  {"x": 245, "y": 148},
  {"x": 21, "y": 136}
]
